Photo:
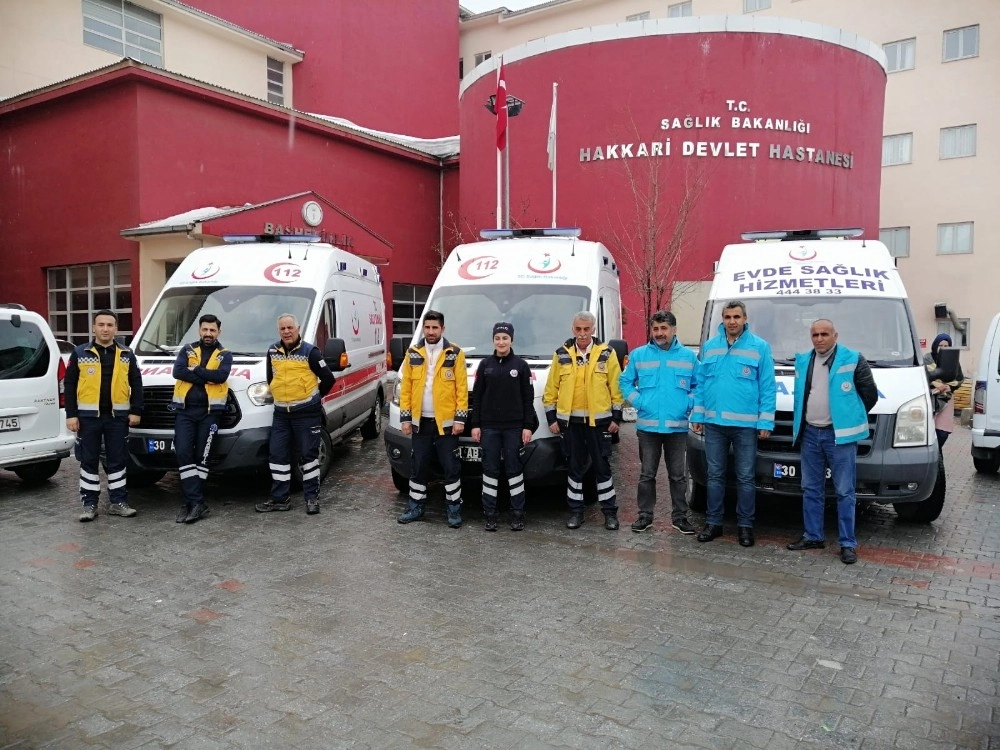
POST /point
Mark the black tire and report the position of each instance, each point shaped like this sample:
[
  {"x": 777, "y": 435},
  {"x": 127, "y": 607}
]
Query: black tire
[
  {"x": 929, "y": 509},
  {"x": 401, "y": 483},
  {"x": 373, "y": 427},
  {"x": 38, "y": 472},
  {"x": 697, "y": 496},
  {"x": 989, "y": 465}
]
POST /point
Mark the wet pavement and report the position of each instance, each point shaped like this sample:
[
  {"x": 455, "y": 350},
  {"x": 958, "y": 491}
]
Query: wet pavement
[{"x": 347, "y": 629}]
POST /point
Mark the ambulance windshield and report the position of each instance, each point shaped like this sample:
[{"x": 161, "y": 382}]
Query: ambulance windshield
[
  {"x": 877, "y": 327},
  {"x": 249, "y": 316},
  {"x": 542, "y": 315}
]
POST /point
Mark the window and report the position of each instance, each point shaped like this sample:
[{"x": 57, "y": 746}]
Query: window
[
  {"x": 327, "y": 326},
  {"x": 897, "y": 149},
  {"x": 897, "y": 239},
  {"x": 959, "y": 331},
  {"x": 679, "y": 10},
  {"x": 407, "y": 305},
  {"x": 961, "y": 43},
  {"x": 123, "y": 29},
  {"x": 957, "y": 142},
  {"x": 23, "y": 351},
  {"x": 483, "y": 56},
  {"x": 749, "y": 6},
  {"x": 955, "y": 239},
  {"x": 275, "y": 81},
  {"x": 77, "y": 292},
  {"x": 461, "y": 68},
  {"x": 644, "y": 16},
  {"x": 900, "y": 55}
]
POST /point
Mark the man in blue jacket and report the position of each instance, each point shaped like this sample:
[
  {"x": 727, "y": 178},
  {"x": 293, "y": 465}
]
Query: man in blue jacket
[
  {"x": 733, "y": 405},
  {"x": 659, "y": 382},
  {"x": 834, "y": 391}
]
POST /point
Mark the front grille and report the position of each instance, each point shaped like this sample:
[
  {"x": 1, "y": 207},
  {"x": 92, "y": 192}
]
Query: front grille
[
  {"x": 781, "y": 436},
  {"x": 157, "y": 416}
]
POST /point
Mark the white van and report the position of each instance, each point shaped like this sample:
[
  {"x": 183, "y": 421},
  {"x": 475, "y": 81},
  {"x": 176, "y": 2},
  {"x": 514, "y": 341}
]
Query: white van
[
  {"x": 788, "y": 280},
  {"x": 537, "y": 279},
  {"x": 337, "y": 299},
  {"x": 986, "y": 404},
  {"x": 33, "y": 435}
]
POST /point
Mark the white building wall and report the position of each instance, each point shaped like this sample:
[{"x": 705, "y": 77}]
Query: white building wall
[{"x": 933, "y": 95}]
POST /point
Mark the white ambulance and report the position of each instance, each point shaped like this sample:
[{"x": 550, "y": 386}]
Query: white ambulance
[
  {"x": 788, "y": 280},
  {"x": 986, "y": 404},
  {"x": 337, "y": 299},
  {"x": 537, "y": 279}
]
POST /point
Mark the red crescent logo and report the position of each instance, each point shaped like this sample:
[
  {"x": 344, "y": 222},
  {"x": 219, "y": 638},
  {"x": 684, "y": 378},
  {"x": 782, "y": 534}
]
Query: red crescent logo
[
  {"x": 479, "y": 267},
  {"x": 206, "y": 272},
  {"x": 545, "y": 264},
  {"x": 801, "y": 254}
]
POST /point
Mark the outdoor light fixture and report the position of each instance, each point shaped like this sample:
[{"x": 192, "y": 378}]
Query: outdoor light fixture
[{"x": 513, "y": 105}]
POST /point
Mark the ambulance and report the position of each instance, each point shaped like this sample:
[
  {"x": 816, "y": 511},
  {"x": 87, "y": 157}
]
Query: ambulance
[
  {"x": 248, "y": 283},
  {"x": 537, "y": 279},
  {"x": 788, "y": 280}
]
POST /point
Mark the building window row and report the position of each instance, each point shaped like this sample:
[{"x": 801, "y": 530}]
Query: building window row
[
  {"x": 123, "y": 29},
  {"x": 77, "y": 292},
  {"x": 955, "y": 142},
  {"x": 749, "y": 6},
  {"x": 407, "y": 304},
  {"x": 958, "y": 44},
  {"x": 644, "y": 16},
  {"x": 952, "y": 239},
  {"x": 679, "y": 10}
]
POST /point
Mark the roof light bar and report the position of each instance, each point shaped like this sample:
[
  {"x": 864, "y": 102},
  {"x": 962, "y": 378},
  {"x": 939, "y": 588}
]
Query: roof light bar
[
  {"x": 506, "y": 234},
  {"x": 792, "y": 235},
  {"x": 242, "y": 238}
]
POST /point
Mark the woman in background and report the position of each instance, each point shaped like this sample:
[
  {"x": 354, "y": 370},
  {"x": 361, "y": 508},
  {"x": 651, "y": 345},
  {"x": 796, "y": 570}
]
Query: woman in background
[{"x": 941, "y": 392}]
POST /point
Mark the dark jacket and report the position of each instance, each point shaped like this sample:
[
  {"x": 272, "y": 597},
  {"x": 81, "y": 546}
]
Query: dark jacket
[
  {"x": 503, "y": 396},
  {"x": 106, "y": 360}
]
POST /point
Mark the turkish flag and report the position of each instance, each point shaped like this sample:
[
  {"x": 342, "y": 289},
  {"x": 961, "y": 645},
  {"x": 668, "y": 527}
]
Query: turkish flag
[{"x": 501, "y": 108}]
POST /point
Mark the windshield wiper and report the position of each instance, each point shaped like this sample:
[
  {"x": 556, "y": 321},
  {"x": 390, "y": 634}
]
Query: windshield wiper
[
  {"x": 888, "y": 365},
  {"x": 246, "y": 354},
  {"x": 156, "y": 346},
  {"x": 788, "y": 361}
]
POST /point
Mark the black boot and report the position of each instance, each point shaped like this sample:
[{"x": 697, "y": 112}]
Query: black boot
[{"x": 491, "y": 522}]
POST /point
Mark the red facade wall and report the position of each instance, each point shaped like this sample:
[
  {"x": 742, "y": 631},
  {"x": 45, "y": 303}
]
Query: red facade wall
[
  {"x": 140, "y": 149},
  {"x": 382, "y": 64},
  {"x": 617, "y": 93}
]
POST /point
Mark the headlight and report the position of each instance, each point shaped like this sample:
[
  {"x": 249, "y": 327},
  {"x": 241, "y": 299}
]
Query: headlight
[
  {"x": 260, "y": 395},
  {"x": 395, "y": 390},
  {"x": 911, "y": 424}
]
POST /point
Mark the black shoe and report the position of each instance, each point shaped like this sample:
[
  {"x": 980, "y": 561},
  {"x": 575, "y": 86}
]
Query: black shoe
[
  {"x": 199, "y": 511},
  {"x": 517, "y": 522},
  {"x": 746, "y": 536},
  {"x": 804, "y": 543},
  {"x": 272, "y": 505},
  {"x": 574, "y": 521},
  {"x": 491, "y": 523},
  {"x": 611, "y": 522},
  {"x": 848, "y": 555},
  {"x": 312, "y": 506},
  {"x": 182, "y": 514},
  {"x": 709, "y": 533},
  {"x": 684, "y": 526},
  {"x": 643, "y": 522}
]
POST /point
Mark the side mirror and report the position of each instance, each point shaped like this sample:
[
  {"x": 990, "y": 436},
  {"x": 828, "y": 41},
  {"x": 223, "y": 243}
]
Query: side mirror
[
  {"x": 335, "y": 354},
  {"x": 397, "y": 350},
  {"x": 947, "y": 369}
]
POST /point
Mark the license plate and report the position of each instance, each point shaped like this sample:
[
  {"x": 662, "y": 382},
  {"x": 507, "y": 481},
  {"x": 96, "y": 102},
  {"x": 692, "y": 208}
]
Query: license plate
[
  {"x": 792, "y": 471},
  {"x": 470, "y": 453},
  {"x": 159, "y": 445},
  {"x": 10, "y": 424}
]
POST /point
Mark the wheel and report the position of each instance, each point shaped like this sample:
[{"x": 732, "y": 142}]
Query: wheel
[
  {"x": 987, "y": 465},
  {"x": 697, "y": 496},
  {"x": 373, "y": 427},
  {"x": 38, "y": 472},
  {"x": 929, "y": 509},
  {"x": 401, "y": 483}
]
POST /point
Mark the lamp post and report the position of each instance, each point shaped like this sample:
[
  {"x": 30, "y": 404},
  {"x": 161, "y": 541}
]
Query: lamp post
[{"x": 514, "y": 106}]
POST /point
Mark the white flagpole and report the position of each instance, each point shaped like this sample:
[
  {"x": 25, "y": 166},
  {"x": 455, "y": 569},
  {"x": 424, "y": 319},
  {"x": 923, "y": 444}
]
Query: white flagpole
[
  {"x": 499, "y": 190},
  {"x": 552, "y": 149}
]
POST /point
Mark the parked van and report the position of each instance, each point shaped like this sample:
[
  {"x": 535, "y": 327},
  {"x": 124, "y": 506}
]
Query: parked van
[
  {"x": 536, "y": 279},
  {"x": 337, "y": 299},
  {"x": 33, "y": 434},
  {"x": 788, "y": 280},
  {"x": 986, "y": 404}
]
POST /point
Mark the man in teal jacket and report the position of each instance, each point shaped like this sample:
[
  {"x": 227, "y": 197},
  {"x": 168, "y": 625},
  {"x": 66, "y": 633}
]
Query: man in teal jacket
[
  {"x": 734, "y": 405},
  {"x": 659, "y": 382},
  {"x": 834, "y": 391}
]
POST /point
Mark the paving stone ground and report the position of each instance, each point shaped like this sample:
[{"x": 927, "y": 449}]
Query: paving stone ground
[{"x": 347, "y": 629}]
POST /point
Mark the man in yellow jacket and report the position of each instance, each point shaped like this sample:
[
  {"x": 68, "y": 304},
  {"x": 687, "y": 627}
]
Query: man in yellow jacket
[
  {"x": 433, "y": 409},
  {"x": 583, "y": 403}
]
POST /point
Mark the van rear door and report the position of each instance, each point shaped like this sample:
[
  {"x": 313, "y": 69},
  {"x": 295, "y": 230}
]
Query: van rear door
[{"x": 29, "y": 394}]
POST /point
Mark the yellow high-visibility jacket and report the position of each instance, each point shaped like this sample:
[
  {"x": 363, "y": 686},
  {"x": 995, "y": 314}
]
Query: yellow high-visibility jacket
[
  {"x": 604, "y": 395},
  {"x": 450, "y": 385}
]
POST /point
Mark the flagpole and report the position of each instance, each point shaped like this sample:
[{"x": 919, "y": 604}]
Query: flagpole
[
  {"x": 499, "y": 191},
  {"x": 555, "y": 87}
]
